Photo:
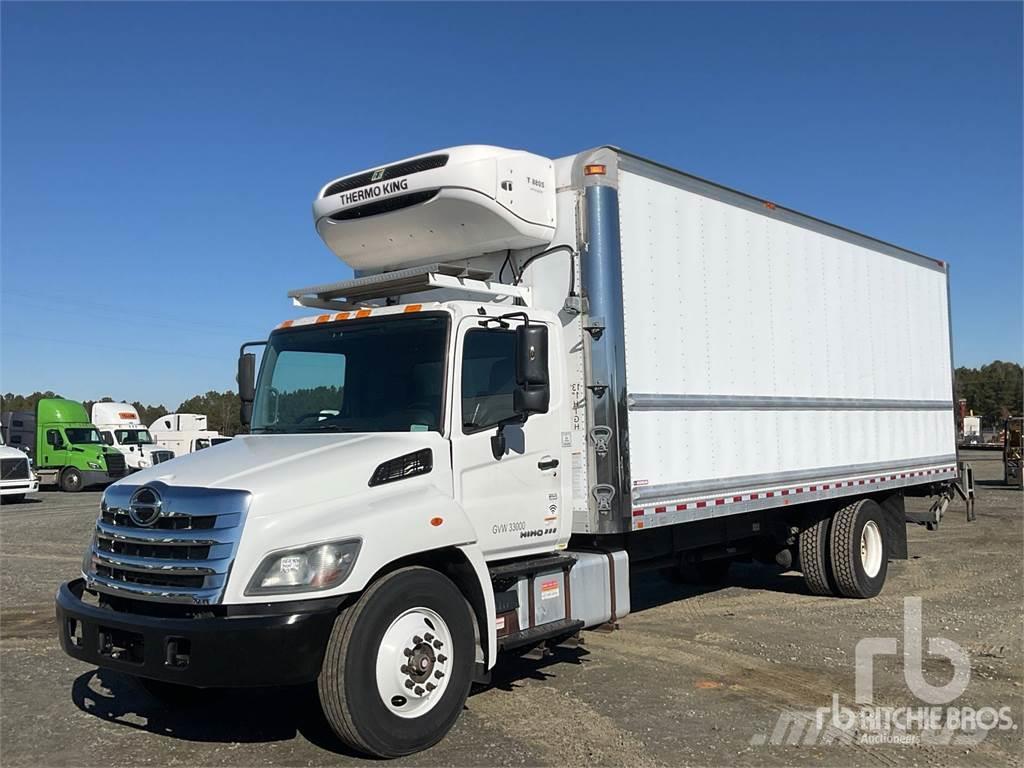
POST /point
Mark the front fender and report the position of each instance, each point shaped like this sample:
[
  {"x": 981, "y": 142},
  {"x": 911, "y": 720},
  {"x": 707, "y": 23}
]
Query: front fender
[{"x": 406, "y": 521}]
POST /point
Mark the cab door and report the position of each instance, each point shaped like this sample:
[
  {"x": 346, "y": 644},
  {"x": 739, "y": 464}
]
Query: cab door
[
  {"x": 515, "y": 500},
  {"x": 54, "y": 450}
]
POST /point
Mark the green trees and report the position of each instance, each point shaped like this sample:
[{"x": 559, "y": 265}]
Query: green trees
[{"x": 993, "y": 391}]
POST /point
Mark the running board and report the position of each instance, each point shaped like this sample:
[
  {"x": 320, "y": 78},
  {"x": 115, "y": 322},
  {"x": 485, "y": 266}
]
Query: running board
[{"x": 533, "y": 635}]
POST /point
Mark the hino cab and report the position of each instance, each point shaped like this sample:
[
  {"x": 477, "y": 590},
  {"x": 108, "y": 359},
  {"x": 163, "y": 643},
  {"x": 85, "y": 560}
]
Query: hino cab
[
  {"x": 185, "y": 433},
  {"x": 121, "y": 428}
]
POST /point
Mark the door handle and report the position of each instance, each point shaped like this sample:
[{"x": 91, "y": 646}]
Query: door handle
[{"x": 547, "y": 463}]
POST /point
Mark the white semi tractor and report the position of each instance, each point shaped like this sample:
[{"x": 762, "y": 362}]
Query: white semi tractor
[
  {"x": 544, "y": 373},
  {"x": 121, "y": 427}
]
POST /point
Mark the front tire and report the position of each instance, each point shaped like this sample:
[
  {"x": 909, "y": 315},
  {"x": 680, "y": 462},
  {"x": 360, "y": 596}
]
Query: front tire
[
  {"x": 399, "y": 664},
  {"x": 859, "y": 549},
  {"x": 71, "y": 480}
]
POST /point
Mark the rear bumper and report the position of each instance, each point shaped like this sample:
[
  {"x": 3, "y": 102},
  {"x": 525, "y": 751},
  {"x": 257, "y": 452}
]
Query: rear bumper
[{"x": 282, "y": 646}]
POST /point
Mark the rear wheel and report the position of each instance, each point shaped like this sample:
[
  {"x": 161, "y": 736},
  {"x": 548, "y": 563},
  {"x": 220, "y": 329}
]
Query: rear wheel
[
  {"x": 859, "y": 549},
  {"x": 71, "y": 480},
  {"x": 399, "y": 664},
  {"x": 814, "y": 551}
]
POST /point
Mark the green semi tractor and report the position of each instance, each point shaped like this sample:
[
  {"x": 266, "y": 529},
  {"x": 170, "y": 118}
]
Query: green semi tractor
[{"x": 64, "y": 446}]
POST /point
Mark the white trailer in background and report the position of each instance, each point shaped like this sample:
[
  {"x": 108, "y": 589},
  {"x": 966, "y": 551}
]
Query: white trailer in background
[
  {"x": 545, "y": 373},
  {"x": 185, "y": 433},
  {"x": 120, "y": 426}
]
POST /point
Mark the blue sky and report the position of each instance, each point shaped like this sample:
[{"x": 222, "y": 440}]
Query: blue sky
[{"x": 159, "y": 161}]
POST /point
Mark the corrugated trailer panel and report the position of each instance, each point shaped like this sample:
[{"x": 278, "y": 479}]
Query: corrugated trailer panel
[{"x": 759, "y": 349}]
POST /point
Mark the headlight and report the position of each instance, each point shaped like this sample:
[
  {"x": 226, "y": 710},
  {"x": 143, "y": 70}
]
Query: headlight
[
  {"x": 306, "y": 569},
  {"x": 94, "y": 465}
]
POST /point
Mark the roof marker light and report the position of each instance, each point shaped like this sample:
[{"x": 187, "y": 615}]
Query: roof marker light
[{"x": 595, "y": 170}]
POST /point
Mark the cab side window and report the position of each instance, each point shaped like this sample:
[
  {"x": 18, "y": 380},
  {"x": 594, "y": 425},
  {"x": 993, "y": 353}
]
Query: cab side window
[
  {"x": 53, "y": 438},
  {"x": 488, "y": 378}
]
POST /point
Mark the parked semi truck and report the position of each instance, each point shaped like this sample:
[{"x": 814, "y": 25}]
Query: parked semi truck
[
  {"x": 183, "y": 433},
  {"x": 16, "y": 476},
  {"x": 65, "y": 447},
  {"x": 120, "y": 426},
  {"x": 545, "y": 373}
]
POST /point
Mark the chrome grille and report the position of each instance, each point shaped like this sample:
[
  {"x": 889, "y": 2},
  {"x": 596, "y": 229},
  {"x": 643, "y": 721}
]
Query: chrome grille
[{"x": 184, "y": 555}]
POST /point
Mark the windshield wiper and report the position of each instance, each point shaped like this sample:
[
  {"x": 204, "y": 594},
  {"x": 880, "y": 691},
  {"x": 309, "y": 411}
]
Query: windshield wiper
[{"x": 329, "y": 428}]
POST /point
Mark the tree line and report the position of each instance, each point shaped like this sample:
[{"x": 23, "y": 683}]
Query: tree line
[
  {"x": 220, "y": 408},
  {"x": 994, "y": 391}
]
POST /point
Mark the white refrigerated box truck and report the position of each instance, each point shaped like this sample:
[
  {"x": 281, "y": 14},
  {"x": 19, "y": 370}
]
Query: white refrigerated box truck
[{"x": 545, "y": 373}]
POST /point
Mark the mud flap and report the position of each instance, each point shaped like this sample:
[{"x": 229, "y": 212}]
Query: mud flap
[{"x": 894, "y": 509}]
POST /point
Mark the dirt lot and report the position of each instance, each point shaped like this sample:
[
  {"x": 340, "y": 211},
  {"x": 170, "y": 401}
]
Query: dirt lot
[{"x": 693, "y": 677}]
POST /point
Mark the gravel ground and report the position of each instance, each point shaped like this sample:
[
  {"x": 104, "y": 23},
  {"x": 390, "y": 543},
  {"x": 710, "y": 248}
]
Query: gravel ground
[{"x": 693, "y": 677}]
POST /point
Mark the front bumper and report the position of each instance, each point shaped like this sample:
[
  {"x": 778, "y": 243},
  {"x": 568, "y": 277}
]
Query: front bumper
[
  {"x": 10, "y": 487},
  {"x": 282, "y": 645}
]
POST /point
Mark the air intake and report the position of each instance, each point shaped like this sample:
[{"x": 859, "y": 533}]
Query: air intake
[
  {"x": 410, "y": 465},
  {"x": 404, "y": 168},
  {"x": 384, "y": 206}
]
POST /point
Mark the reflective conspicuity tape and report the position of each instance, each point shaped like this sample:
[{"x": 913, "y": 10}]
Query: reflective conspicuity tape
[{"x": 662, "y": 514}]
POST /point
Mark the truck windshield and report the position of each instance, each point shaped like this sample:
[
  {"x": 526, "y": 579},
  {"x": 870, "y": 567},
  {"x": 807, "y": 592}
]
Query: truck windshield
[
  {"x": 373, "y": 375},
  {"x": 82, "y": 435},
  {"x": 133, "y": 437}
]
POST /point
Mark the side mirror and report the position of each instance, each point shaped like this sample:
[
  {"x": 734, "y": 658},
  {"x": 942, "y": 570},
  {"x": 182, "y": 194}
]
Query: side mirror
[
  {"x": 246, "y": 386},
  {"x": 533, "y": 391}
]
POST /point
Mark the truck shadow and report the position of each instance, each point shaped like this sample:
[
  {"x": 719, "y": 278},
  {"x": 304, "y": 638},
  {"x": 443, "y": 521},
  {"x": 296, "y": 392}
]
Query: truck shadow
[
  {"x": 255, "y": 715},
  {"x": 655, "y": 588}
]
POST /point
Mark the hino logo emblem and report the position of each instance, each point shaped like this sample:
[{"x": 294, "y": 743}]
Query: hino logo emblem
[
  {"x": 145, "y": 507},
  {"x": 377, "y": 175}
]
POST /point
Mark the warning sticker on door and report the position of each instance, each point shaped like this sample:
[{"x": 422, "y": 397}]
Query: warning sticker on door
[{"x": 549, "y": 589}]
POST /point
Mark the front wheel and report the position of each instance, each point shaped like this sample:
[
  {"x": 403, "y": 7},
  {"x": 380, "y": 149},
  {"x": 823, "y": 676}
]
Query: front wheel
[
  {"x": 71, "y": 480},
  {"x": 399, "y": 664}
]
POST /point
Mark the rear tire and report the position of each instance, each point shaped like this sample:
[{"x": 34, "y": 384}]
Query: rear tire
[
  {"x": 814, "y": 551},
  {"x": 859, "y": 549},
  {"x": 382, "y": 654},
  {"x": 71, "y": 480}
]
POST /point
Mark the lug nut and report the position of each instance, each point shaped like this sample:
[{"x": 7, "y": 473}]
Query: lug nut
[
  {"x": 407, "y": 651},
  {"x": 438, "y": 674},
  {"x": 427, "y": 636},
  {"x": 431, "y": 686},
  {"x": 408, "y": 683},
  {"x": 438, "y": 644},
  {"x": 442, "y": 658},
  {"x": 404, "y": 669},
  {"x": 418, "y": 691},
  {"x": 417, "y": 639}
]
